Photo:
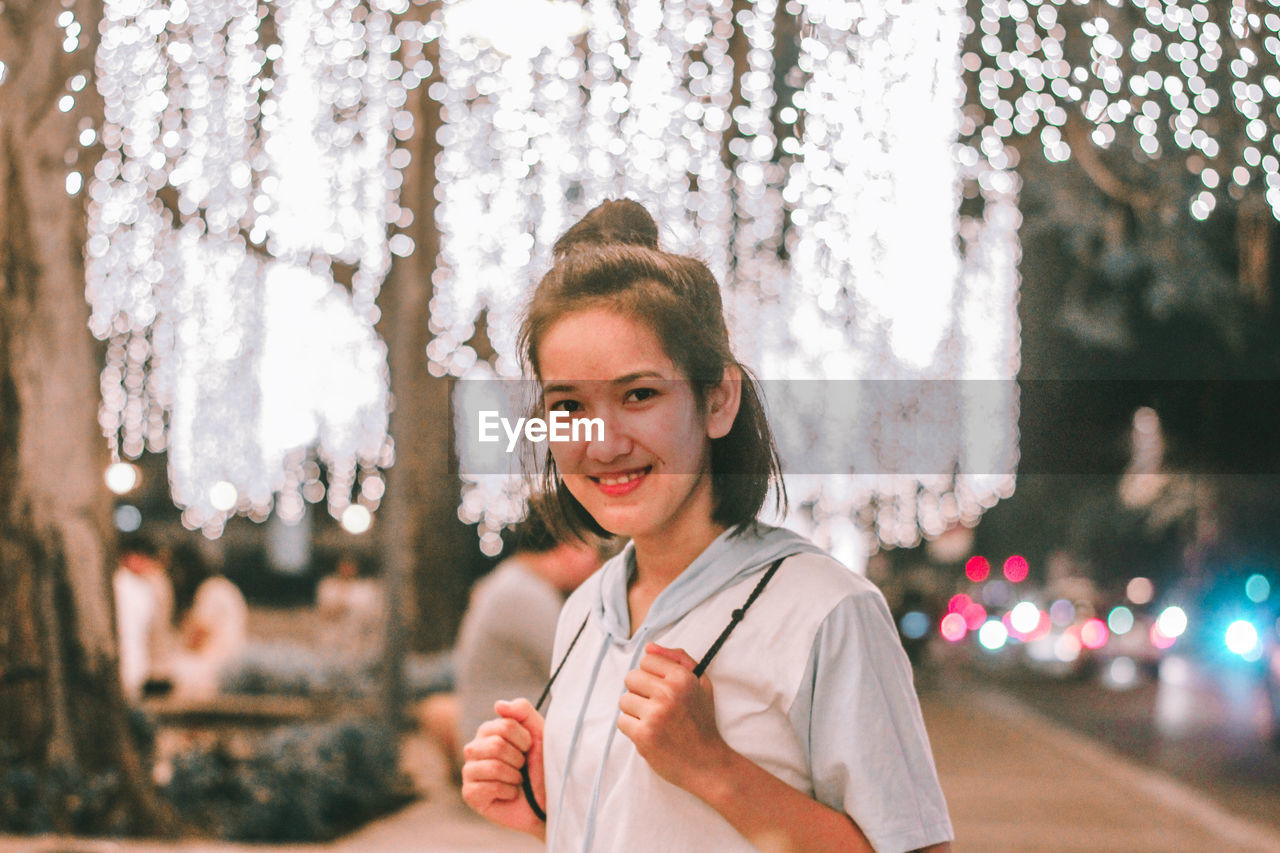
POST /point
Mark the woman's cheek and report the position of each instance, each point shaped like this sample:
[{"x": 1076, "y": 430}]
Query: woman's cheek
[{"x": 568, "y": 456}]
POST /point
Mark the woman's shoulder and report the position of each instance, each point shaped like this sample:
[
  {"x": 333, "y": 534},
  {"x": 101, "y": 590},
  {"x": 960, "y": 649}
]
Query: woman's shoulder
[{"x": 825, "y": 577}]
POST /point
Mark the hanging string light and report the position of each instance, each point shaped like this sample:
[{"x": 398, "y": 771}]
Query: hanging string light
[
  {"x": 880, "y": 293},
  {"x": 237, "y": 177},
  {"x": 542, "y": 125},
  {"x": 1194, "y": 81},
  {"x": 240, "y": 223},
  {"x": 863, "y": 180}
]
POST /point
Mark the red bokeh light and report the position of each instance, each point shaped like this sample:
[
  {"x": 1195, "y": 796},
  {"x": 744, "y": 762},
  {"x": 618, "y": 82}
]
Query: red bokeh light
[
  {"x": 1042, "y": 629},
  {"x": 1094, "y": 634},
  {"x": 953, "y": 627},
  {"x": 977, "y": 569},
  {"x": 974, "y": 615},
  {"x": 1160, "y": 639},
  {"x": 958, "y": 603},
  {"x": 1015, "y": 568}
]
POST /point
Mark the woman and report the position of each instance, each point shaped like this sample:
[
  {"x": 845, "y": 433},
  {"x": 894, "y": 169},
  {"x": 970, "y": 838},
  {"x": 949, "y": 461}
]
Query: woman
[
  {"x": 213, "y": 626},
  {"x": 804, "y": 732}
]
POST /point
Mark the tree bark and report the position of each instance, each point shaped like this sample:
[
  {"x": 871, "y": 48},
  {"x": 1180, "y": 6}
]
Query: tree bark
[
  {"x": 426, "y": 547},
  {"x": 61, "y": 705}
]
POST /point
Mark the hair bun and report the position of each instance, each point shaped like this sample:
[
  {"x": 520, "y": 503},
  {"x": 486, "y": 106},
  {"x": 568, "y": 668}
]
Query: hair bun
[{"x": 612, "y": 222}]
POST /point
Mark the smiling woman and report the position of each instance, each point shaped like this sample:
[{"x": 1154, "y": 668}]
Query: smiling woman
[{"x": 814, "y": 739}]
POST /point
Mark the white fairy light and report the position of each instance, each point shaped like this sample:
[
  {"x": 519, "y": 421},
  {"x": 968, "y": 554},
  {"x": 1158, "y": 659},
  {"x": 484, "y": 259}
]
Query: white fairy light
[
  {"x": 1146, "y": 82},
  {"x": 879, "y": 291},
  {"x": 537, "y": 133},
  {"x": 209, "y": 153},
  {"x": 281, "y": 157},
  {"x": 642, "y": 104}
]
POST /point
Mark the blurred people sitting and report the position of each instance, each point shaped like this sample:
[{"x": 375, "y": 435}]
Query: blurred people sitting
[
  {"x": 504, "y": 643},
  {"x": 213, "y": 625},
  {"x": 352, "y": 614},
  {"x": 144, "y": 609}
]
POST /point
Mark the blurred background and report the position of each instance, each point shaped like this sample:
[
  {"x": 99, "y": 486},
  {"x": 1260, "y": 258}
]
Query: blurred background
[{"x": 258, "y": 257}]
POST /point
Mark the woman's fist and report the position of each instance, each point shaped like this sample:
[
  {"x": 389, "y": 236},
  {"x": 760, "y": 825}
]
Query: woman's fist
[
  {"x": 491, "y": 780},
  {"x": 669, "y": 714}
]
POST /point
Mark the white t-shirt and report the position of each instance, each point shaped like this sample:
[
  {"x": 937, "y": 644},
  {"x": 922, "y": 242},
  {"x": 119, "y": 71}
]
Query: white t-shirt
[
  {"x": 813, "y": 686},
  {"x": 220, "y": 617}
]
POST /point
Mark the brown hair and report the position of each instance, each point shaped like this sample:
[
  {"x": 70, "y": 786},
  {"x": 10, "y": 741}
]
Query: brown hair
[{"x": 611, "y": 258}]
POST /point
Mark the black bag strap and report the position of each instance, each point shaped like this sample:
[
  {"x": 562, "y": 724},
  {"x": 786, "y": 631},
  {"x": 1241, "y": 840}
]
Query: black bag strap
[
  {"x": 698, "y": 670},
  {"x": 735, "y": 618}
]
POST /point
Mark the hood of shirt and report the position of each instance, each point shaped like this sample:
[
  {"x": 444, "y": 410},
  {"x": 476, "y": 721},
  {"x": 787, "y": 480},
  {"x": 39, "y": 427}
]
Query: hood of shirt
[{"x": 734, "y": 554}]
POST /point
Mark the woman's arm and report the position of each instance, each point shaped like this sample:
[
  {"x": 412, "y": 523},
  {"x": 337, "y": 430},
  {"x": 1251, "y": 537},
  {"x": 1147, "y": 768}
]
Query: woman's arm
[
  {"x": 774, "y": 816},
  {"x": 771, "y": 814},
  {"x": 670, "y": 717}
]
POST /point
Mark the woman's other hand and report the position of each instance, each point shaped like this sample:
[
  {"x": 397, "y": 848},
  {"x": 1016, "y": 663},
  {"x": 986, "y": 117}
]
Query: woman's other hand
[
  {"x": 491, "y": 780},
  {"x": 669, "y": 715}
]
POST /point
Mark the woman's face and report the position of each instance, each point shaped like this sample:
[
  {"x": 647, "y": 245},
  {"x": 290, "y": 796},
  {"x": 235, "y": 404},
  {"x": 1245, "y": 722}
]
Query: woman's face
[{"x": 650, "y": 475}]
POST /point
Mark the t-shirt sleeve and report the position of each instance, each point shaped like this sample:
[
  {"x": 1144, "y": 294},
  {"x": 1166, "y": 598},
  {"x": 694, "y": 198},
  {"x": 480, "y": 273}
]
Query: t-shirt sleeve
[{"x": 857, "y": 713}]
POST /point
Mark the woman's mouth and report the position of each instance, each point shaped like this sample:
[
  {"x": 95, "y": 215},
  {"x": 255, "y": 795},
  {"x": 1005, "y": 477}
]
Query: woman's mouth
[{"x": 616, "y": 483}]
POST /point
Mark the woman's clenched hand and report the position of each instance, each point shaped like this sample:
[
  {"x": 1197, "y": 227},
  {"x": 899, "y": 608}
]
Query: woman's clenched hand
[{"x": 491, "y": 781}]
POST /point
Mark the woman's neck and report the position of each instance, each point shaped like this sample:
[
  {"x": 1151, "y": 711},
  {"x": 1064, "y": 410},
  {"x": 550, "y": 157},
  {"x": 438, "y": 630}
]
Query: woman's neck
[{"x": 661, "y": 560}]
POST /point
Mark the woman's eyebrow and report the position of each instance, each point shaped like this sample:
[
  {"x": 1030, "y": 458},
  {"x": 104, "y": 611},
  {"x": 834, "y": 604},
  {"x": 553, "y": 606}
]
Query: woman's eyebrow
[
  {"x": 559, "y": 388},
  {"x": 570, "y": 387},
  {"x": 632, "y": 377}
]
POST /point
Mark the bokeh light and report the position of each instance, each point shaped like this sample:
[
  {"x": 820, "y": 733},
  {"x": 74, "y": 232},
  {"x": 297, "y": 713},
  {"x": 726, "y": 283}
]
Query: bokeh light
[
  {"x": 977, "y": 569},
  {"x": 1093, "y": 634},
  {"x": 953, "y": 627},
  {"x": 1062, "y": 612},
  {"x": 974, "y": 615},
  {"x": 842, "y": 169},
  {"x": 993, "y": 635},
  {"x": 1120, "y": 620},
  {"x": 127, "y": 518},
  {"x": 1024, "y": 617},
  {"x": 1015, "y": 568},
  {"x": 1121, "y": 673},
  {"x": 1140, "y": 591},
  {"x": 1257, "y": 588},
  {"x": 914, "y": 624},
  {"x": 1172, "y": 621},
  {"x": 1160, "y": 639},
  {"x": 1242, "y": 638},
  {"x": 122, "y": 477},
  {"x": 356, "y": 519},
  {"x": 242, "y": 165}
]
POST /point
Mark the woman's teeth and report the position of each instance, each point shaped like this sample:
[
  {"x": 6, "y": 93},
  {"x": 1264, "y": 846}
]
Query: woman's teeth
[{"x": 619, "y": 480}]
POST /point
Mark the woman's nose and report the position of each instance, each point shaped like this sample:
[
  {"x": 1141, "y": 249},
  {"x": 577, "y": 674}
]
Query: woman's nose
[{"x": 610, "y": 443}]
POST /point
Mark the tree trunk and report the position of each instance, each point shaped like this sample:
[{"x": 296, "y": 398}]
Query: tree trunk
[
  {"x": 427, "y": 549},
  {"x": 62, "y": 712}
]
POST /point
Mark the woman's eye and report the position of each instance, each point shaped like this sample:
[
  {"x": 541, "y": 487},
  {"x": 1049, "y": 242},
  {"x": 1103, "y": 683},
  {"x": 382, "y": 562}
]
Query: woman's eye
[
  {"x": 565, "y": 406},
  {"x": 639, "y": 395}
]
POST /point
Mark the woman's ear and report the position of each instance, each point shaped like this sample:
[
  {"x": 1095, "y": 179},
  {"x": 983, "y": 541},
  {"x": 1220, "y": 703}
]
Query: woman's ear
[{"x": 723, "y": 401}]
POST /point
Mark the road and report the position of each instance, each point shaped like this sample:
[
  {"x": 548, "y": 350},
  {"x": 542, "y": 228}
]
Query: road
[{"x": 1207, "y": 727}]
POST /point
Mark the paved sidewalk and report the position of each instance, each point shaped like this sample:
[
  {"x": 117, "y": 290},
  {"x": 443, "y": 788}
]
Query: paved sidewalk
[{"x": 1014, "y": 782}]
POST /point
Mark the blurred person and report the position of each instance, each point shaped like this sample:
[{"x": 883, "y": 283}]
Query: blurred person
[
  {"x": 144, "y": 612},
  {"x": 352, "y": 613},
  {"x": 504, "y": 642},
  {"x": 213, "y": 625}
]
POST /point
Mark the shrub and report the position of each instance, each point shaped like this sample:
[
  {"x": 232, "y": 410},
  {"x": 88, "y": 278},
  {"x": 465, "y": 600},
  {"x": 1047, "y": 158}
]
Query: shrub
[{"x": 299, "y": 783}]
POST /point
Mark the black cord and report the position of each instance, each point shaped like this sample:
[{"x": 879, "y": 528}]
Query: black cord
[
  {"x": 735, "y": 619},
  {"x": 698, "y": 670},
  {"x": 525, "y": 782}
]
